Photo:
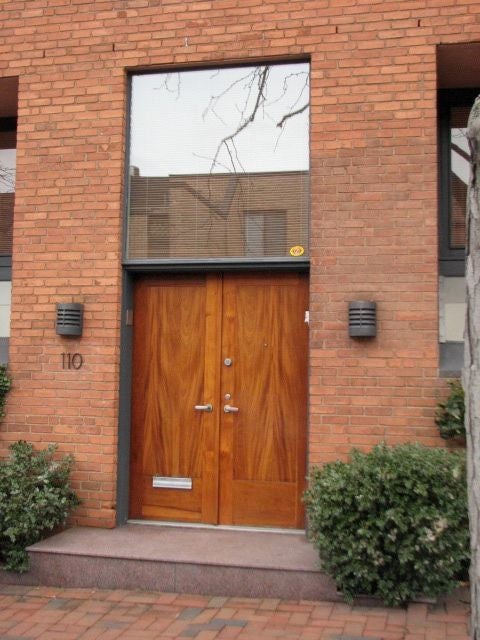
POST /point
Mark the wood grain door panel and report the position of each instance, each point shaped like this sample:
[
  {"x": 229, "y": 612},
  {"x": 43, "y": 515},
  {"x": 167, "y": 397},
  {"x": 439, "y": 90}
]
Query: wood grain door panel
[
  {"x": 265, "y": 504},
  {"x": 248, "y": 467},
  {"x": 176, "y": 343},
  {"x": 263, "y": 445}
]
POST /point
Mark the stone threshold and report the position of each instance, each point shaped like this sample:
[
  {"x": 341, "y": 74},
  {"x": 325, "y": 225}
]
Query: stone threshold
[{"x": 200, "y": 560}]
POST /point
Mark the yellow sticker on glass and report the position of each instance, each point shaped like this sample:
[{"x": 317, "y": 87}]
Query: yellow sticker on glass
[{"x": 297, "y": 251}]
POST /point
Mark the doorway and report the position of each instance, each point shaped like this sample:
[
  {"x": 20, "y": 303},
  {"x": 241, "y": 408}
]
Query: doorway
[{"x": 219, "y": 398}]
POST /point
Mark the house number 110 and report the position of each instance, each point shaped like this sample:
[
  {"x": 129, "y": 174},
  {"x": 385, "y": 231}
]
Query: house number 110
[{"x": 72, "y": 360}]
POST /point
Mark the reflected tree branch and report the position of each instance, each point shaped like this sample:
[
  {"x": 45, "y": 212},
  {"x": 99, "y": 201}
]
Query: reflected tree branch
[
  {"x": 7, "y": 179},
  {"x": 262, "y": 74},
  {"x": 291, "y": 114},
  {"x": 165, "y": 84},
  {"x": 254, "y": 88},
  {"x": 214, "y": 100}
]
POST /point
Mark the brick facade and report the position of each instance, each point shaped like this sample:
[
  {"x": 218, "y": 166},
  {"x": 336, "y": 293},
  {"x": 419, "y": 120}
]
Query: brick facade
[{"x": 373, "y": 204}]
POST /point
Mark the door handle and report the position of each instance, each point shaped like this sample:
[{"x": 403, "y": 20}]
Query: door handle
[
  {"x": 204, "y": 407},
  {"x": 229, "y": 409}
]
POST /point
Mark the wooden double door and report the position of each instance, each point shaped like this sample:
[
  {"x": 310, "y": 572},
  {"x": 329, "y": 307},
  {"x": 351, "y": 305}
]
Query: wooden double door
[{"x": 219, "y": 398}]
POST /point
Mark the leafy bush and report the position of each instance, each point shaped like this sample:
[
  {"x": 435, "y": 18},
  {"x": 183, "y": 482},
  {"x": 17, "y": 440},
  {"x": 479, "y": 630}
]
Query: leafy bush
[
  {"x": 4, "y": 388},
  {"x": 450, "y": 416},
  {"x": 35, "y": 497},
  {"x": 391, "y": 523}
]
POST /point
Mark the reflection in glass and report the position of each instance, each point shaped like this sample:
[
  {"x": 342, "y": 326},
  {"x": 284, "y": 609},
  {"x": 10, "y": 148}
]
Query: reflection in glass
[
  {"x": 459, "y": 174},
  {"x": 219, "y": 163},
  {"x": 7, "y": 190},
  {"x": 7, "y": 201},
  {"x": 452, "y": 308}
]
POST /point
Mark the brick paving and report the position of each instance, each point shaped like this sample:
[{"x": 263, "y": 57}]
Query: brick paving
[{"x": 47, "y": 613}]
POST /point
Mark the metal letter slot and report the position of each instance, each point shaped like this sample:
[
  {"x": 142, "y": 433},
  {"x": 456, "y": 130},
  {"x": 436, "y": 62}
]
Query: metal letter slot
[
  {"x": 163, "y": 482},
  {"x": 229, "y": 409},
  {"x": 204, "y": 407}
]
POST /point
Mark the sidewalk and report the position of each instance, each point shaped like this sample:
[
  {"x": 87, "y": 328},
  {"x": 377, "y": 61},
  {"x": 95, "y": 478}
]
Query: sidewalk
[{"x": 46, "y": 613}]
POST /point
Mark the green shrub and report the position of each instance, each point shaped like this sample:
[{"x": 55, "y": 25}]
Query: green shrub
[
  {"x": 35, "y": 497},
  {"x": 450, "y": 416},
  {"x": 391, "y": 523},
  {"x": 4, "y": 388}
]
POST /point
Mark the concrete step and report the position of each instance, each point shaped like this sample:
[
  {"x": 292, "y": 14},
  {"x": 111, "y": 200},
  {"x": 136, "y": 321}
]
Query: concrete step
[{"x": 210, "y": 561}]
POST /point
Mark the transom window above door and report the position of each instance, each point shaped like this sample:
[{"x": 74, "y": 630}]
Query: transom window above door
[
  {"x": 8, "y": 154},
  {"x": 219, "y": 165}
]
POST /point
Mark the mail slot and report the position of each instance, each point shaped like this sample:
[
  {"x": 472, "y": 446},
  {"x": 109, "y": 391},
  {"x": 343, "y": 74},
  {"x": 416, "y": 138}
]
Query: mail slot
[{"x": 165, "y": 482}]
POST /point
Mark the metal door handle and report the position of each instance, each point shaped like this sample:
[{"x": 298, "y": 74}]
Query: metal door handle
[
  {"x": 229, "y": 409},
  {"x": 204, "y": 407}
]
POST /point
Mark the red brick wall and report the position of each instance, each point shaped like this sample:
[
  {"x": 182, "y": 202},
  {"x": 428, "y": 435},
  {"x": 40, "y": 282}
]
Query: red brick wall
[{"x": 374, "y": 204}]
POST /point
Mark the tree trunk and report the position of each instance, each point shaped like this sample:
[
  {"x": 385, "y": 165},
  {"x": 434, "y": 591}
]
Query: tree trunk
[{"x": 471, "y": 371}]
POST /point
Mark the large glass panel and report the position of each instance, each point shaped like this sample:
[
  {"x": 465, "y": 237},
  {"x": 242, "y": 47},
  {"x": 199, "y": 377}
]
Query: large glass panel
[
  {"x": 218, "y": 164},
  {"x": 459, "y": 173},
  {"x": 7, "y": 200},
  {"x": 452, "y": 309},
  {"x": 7, "y": 189}
]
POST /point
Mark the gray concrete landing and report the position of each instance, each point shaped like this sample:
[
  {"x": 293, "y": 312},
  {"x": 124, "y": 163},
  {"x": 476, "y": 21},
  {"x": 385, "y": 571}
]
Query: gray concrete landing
[{"x": 210, "y": 561}]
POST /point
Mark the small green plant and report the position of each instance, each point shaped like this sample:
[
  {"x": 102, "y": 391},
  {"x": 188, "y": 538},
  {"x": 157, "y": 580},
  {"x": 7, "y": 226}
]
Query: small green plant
[
  {"x": 4, "y": 388},
  {"x": 450, "y": 416},
  {"x": 391, "y": 523},
  {"x": 35, "y": 497}
]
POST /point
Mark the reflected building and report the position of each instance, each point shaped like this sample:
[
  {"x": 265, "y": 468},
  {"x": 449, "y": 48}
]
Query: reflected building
[{"x": 249, "y": 215}]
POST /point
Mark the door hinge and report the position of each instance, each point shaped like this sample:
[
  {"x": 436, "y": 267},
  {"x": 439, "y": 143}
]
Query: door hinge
[
  {"x": 129, "y": 317},
  {"x": 307, "y": 317}
]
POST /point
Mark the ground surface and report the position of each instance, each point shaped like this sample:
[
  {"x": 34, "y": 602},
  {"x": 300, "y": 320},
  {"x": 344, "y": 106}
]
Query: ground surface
[{"x": 46, "y": 613}]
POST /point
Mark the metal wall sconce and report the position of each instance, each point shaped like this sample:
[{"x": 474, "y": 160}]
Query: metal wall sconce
[
  {"x": 69, "y": 319},
  {"x": 362, "y": 319}
]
